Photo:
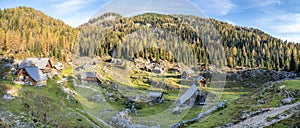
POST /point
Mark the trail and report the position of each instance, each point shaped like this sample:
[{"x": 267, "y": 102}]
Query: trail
[
  {"x": 261, "y": 120},
  {"x": 102, "y": 123},
  {"x": 83, "y": 116}
]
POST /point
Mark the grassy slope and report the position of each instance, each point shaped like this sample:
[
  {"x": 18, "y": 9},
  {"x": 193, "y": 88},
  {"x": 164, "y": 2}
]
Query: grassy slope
[
  {"x": 49, "y": 101},
  {"x": 240, "y": 98},
  {"x": 248, "y": 102}
]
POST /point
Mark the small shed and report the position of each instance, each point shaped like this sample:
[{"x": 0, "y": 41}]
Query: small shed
[
  {"x": 156, "y": 97},
  {"x": 201, "y": 81},
  {"x": 186, "y": 74},
  {"x": 157, "y": 70},
  {"x": 89, "y": 77}
]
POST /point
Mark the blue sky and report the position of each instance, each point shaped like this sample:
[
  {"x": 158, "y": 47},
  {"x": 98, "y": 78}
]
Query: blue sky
[{"x": 279, "y": 18}]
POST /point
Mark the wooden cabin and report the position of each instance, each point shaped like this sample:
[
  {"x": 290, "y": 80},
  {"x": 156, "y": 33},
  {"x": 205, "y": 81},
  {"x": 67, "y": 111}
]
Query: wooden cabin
[
  {"x": 192, "y": 96},
  {"x": 186, "y": 74},
  {"x": 32, "y": 76},
  {"x": 44, "y": 64},
  {"x": 89, "y": 77},
  {"x": 189, "y": 96},
  {"x": 201, "y": 81}
]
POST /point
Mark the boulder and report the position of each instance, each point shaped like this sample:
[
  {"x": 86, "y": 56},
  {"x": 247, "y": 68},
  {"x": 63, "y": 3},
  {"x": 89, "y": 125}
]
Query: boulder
[
  {"x": 222, "y": 104},
  {"x": 177, "y": 110},
  {"x": 287, "y": 100},
  {"x": 8, "y": 97}
]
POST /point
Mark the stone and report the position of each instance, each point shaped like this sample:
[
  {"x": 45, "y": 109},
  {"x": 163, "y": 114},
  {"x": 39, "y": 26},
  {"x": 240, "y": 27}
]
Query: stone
[
  {"x": 222, "y": 104},
  {"x": 177, "y": 110},
  {"x": 262, "y": 101},
  {"x": 229, "y": 125},
  {"x": 287, "y": 100},
  {"x": 8, "y": 97}
]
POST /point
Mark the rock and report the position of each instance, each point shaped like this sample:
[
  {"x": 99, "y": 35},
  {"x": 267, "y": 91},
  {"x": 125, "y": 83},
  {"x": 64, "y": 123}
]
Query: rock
[
  {"x": 287, "y": 100},
  {"x": 177, "y": 110},
  {"x": 222, "y": 104},
  {"x": 262, "y": 101},
  {"x": 8, "y": 97},
  {"x": 229, "y": 125}
]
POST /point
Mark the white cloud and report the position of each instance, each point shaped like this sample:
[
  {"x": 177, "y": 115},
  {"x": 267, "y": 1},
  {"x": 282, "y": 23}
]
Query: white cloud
[
  {"x": 70, "y": 6},
  {"x": 215, "y": 7},
  {"x": 290, "y": 37},
  {"x": 269, "y": 2},
  {"x": 283, "y": 23}
]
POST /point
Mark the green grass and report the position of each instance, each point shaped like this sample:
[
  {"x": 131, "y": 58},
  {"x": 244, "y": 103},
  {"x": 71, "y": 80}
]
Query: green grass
[
  {"x": 245, "y": 99},
  {"x": 48, "y": 101},
  {"x": 67, "y": 71},
  {"x": 291, "y": 84}
]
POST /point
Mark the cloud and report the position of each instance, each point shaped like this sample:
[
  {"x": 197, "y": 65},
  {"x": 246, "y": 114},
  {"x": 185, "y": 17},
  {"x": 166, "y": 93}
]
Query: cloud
[
  {"x": 215, "y": 7},
  {"x": 70, "y": 6},
  {"x": 75, "y": 12},
  {"x": 269, "y": 2},
  {"x": 290, "y": 37},
  {"x": 283, "y": 23}
]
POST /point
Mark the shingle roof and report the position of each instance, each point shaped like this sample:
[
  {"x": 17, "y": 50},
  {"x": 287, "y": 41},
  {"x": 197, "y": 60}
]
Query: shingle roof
[
  {"x": 35, "y": 73},
  {"x": 84, "y": 75},
  {"x": 188, "y": 94},
  {"x": 41, "y": 63}
]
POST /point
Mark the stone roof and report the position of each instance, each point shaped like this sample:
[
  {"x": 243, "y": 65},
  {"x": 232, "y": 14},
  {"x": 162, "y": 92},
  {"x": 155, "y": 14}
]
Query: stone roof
[
  {"x": 35, "y": 73},
  {"x": 85, "y": 75},
  {"x": 41, "y": 63},
  {"x": 188, "y": 94}
]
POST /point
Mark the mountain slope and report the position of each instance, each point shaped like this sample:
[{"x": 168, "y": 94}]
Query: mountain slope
[
  {"x": 29, "y": 32},
  {"x": 237, "y": 46}
]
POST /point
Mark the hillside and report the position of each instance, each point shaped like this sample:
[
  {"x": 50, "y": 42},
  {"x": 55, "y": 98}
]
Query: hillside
[
  {"x": 25, "y": 31},
  {"x": 119, "y": 92},
  {"x": 245, "y": 47}
]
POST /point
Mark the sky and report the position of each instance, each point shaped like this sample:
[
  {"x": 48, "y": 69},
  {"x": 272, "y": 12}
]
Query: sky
[{"x": 279, "y": 18}]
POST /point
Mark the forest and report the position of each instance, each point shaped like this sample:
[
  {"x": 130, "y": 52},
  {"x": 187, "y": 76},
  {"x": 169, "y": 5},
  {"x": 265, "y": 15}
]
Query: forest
[
  {"x": 187, "y": 39},
  {"x": 175, "y": 38},
  {"x": 28, "y": 32}
]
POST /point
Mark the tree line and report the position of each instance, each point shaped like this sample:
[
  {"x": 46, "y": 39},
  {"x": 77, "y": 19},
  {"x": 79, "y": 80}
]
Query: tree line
[
  {"x": 211, "y": 42},
  {"x": 28, "y": 32}
]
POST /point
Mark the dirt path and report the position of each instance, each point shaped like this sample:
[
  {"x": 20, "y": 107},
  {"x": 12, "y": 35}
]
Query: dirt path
[{"x": 261, "y": 120}]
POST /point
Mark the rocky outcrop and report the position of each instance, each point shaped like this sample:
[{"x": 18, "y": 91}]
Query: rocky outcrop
[
  {"x": 8, "y": 119},
  {"x": 122, "y": 120},
  {"x": 288, "y": 100},
  {"x": 219, "y": 106},
  {"x": 261, "y": 74}
]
